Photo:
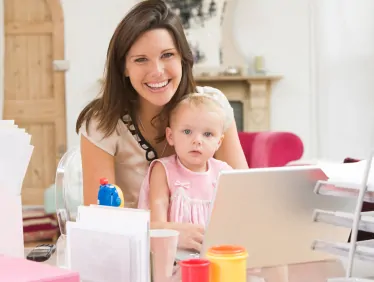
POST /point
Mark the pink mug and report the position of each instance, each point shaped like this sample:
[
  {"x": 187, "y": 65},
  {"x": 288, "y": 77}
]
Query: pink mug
[{"x": 164, "y": 244}]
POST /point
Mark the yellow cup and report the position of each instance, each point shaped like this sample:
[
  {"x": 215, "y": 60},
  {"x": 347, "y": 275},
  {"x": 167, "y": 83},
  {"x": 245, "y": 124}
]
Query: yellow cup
[{"x": 227, "y": 263}]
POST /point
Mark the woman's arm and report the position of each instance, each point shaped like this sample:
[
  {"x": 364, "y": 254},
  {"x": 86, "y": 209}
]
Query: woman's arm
[
  {"x": 96, "y": 163},
  {"x": 231, "y": 150}
]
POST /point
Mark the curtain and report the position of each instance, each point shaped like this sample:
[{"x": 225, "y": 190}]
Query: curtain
[{"x": 344, "y": 43}]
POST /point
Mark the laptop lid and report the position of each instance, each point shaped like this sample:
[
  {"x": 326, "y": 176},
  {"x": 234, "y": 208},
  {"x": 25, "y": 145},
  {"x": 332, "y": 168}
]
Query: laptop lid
[{"x": 269, "y": 212}]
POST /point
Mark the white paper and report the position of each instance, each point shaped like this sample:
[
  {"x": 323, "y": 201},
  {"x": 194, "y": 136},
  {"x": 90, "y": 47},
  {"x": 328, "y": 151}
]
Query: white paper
[
  {"x": 15, "y": 152},
  {"x": 132, "y": 224},
  {"x": 97, "y": 255},
  {"x": 11, "y": 234},
  {"x": 15, "y": 155},
  {"x": 352, "y": 173}
]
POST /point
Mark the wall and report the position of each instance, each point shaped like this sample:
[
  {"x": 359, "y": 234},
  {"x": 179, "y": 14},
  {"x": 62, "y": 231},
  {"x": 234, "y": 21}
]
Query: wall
[
  {"x": 325, "y": 50},
  {"x": 345, "y": 69},
  {"x": 86, "y": 43},
  {"x": 280, "y": 31}
]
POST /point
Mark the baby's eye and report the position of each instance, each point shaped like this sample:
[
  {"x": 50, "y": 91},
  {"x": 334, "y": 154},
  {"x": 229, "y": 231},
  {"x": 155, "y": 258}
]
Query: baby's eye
[
  {"x": 208, "y": 134},
  {"x": 187, "y": 131}
]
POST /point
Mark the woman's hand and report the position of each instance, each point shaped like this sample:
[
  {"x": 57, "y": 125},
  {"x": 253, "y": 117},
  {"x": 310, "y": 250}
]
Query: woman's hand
[{"x": 190, "y": 235}]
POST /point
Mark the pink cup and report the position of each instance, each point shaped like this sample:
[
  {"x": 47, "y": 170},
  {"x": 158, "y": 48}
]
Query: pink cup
[{"x": 164, "y": 244}]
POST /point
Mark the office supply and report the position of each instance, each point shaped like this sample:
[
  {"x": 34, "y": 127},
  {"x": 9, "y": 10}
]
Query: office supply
[
  {"x": 19, "y": 269},
  {"x": 350, "y": 280},
  {"x": 15, "y": 152},
  {"x": 109, "y": 244},
  {"x": 97, "y": 255},
  {"x": 271, "y": 209},
  {"x": 360, "y": 188}
]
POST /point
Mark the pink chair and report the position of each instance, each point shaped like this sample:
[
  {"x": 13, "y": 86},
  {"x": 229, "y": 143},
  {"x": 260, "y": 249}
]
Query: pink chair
[{"x": 270, "y": 149}]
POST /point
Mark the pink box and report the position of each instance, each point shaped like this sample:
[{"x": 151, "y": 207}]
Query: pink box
[{"x": 22, "y": 270}]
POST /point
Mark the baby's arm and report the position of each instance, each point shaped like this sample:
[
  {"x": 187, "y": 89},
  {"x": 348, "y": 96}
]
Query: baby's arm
[
  {"x": 190, "y": 235},
  {"x": 158, "y": 194}
]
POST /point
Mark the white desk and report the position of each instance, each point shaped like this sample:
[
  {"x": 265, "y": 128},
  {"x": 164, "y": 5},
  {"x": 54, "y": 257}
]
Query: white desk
[{"x": 309, "y": 272}]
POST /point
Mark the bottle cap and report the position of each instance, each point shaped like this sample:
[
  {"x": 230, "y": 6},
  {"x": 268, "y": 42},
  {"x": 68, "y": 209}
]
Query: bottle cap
[
  {"x": 227, "y": 250},
  {"x": 103, "y": 181}
]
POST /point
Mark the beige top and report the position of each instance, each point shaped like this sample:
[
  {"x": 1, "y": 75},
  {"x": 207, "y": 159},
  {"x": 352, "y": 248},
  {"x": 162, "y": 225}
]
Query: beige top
[{"x": 132, "y": 153}]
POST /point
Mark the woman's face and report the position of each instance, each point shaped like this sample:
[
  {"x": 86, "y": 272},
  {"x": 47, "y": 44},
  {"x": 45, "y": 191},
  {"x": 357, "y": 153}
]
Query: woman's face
[{"x": 154, "y": 67}]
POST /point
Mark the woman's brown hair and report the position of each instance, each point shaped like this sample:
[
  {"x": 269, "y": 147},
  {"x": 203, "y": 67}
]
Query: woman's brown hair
[{"x": 118, "y": 97}]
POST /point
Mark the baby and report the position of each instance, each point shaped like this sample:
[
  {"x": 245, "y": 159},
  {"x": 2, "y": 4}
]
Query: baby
[{"x": 180, "y": 188}]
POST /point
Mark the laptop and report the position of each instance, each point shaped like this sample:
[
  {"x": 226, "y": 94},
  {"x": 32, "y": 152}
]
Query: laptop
[{"x": 269, "y": 211}]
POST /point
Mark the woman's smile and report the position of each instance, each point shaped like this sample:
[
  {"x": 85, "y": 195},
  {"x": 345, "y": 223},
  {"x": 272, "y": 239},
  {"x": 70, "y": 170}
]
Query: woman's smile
[{"x": 158, "y": 86}]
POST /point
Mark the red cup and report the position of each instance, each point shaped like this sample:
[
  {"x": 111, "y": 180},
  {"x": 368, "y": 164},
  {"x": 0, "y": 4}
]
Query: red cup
[{"x": 193, "y": 270}]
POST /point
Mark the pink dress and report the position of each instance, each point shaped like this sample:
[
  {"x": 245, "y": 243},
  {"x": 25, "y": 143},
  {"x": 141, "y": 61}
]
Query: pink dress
[{"x": 191, "y": 193}]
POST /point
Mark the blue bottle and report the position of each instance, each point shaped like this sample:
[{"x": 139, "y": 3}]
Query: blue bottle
[{"x": 109, "y": 194}]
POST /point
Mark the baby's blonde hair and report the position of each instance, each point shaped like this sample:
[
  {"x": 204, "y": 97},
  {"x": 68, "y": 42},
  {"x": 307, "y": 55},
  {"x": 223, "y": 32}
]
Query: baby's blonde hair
[{"x": 197, "y": 99}]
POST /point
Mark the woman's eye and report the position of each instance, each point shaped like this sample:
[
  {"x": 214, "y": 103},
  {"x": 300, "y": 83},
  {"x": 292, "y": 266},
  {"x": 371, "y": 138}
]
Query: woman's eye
[
  {"x": 208, "y": 134},
  {"x": 167, "y": 55},
  {"x": 140, "y": 60},
  {"x": 187, "y": 131}
]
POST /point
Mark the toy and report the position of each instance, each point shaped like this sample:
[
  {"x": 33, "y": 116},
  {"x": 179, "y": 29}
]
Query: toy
[{"x": 109, "y": 194}]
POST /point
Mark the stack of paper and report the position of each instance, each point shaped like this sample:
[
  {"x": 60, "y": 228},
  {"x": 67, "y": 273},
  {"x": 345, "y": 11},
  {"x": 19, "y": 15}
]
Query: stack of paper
[
  {"x": 348, "y": 172},
  {"x": 345, "y": 179},
  {"x": 15, "y": 155},
  {"x": 109, "y": 244}
]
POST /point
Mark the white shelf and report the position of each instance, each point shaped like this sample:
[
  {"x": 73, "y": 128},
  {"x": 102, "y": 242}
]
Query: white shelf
[
  {"x": 349, "y": 280},
  {"x": 339, "y": 189},
  {"x": 345, "y": 219},
  {"x": 364, "y": 249},
  {"x": 361, "y": 250}
]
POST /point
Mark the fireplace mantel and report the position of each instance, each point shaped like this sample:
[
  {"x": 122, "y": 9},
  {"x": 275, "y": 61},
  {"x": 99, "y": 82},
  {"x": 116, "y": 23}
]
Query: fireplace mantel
[{"x": 252, "y": 91}]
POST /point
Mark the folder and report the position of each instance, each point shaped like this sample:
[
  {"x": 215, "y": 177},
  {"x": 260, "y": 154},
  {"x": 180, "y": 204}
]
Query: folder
[
  {"x": 22, "y": 270},
  {"x": 109, "y": 243}
]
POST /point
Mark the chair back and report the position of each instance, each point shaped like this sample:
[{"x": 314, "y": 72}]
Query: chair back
[{"x": 270, "y": 148}]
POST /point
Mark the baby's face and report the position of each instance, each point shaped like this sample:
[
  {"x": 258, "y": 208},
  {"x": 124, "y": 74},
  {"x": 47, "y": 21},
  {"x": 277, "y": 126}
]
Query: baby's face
[{"x": 196, "y": 133}]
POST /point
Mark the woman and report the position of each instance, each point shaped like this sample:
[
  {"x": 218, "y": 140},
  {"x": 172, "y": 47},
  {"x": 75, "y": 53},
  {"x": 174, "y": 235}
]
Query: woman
[{"x": 149, "y": 68}]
